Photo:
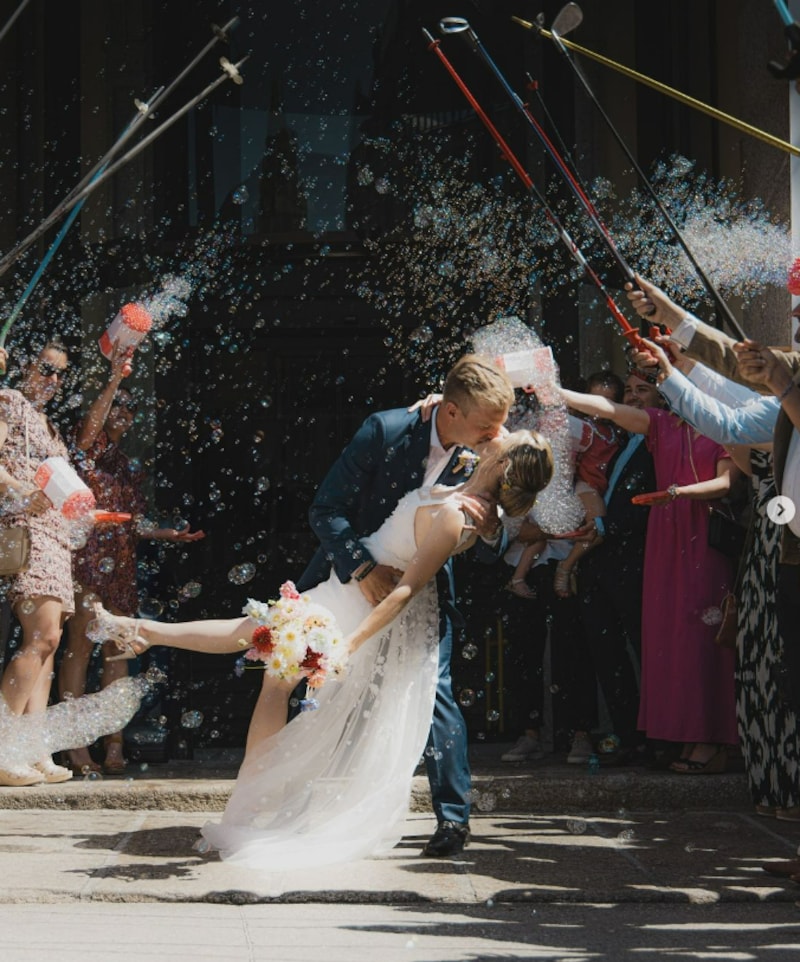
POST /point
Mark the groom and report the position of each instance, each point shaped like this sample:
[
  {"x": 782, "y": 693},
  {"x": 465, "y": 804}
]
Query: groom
[{"x": 392, "y": 453}]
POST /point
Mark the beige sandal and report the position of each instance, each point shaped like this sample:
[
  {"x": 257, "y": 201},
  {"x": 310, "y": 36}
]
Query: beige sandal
[{"x": 521, "y": 588}]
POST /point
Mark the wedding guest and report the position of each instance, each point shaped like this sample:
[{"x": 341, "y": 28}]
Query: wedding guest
[
  {"x": 41, "y": 596},
  {"x": 105, "y": 567},
  {"x": 768, "y": 728},
  {"x": 610, "y": 581},
  {"x": 732, "y": 413},
  {"x": 687, "y": 685},
  {"x": 772, "y": 372}
]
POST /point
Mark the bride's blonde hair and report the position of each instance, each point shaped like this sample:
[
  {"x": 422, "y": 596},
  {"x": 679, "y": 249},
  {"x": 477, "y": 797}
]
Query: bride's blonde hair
[{"x": 528, "y": 467}]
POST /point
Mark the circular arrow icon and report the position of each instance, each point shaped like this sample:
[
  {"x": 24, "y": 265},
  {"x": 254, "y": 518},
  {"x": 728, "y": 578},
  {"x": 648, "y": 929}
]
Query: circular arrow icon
[{"x": 780, "y": 510}]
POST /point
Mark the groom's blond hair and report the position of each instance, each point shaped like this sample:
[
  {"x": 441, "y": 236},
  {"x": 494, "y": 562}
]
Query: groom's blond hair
[{"x": 475, "y": 382}]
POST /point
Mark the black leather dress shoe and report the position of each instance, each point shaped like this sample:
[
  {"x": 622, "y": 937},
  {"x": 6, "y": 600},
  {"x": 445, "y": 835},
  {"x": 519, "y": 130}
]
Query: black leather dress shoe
[{"x": 448, "y": 839}]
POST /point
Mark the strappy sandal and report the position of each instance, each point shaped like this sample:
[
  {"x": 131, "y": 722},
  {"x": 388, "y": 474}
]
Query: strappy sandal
[
  {"x": 715, "y": 765},
  {"x": 564, "y": 583},
  {"x": 114, "y": 766},
  {"x": 123, "y": 632},
  {"x": 521, "y": 588}
]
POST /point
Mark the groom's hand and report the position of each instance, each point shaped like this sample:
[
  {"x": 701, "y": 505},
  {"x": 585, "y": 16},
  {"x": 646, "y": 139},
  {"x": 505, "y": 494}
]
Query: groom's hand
[
  {"x": 482, "y": 509},
  {"x": 379, "y": 583}
]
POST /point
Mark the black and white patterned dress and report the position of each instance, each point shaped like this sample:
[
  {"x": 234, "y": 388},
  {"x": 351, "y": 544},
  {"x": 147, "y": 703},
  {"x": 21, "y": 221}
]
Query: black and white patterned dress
[{"x": 767, "y": 725}]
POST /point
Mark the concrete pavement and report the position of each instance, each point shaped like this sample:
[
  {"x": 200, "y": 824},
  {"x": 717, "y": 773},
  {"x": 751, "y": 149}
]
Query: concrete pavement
[{"x": 564, "y": 865}]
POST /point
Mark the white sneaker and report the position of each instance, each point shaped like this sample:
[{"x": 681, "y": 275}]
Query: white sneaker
[
  {"x": 527, "y": 749},
  {"x": 581, "y": 749}
]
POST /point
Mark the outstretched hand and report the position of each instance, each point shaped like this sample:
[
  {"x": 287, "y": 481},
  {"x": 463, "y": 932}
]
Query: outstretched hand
[{"x": 183, "y": 536}]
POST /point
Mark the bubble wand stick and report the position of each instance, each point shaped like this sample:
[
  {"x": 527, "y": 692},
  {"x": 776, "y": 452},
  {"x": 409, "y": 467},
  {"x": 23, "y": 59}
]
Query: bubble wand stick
[
  {"x": 230, "y": 71},
  {"x": 628, "y": 331},
  {"x": 221, "y": 34},
  {"x": 567, "y": 19}
]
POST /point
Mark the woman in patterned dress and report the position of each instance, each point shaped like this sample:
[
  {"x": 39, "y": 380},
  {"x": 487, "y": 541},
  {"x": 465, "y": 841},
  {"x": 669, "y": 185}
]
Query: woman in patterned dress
[
  {"x": 105, "y": 567},
  {"x": 41, "y": 597},
  {"x": 767, "y": 722}
]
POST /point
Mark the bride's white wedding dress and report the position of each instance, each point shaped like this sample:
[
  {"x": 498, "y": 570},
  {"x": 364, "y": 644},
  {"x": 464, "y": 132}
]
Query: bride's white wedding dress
[{"x": 334, "y": 784}]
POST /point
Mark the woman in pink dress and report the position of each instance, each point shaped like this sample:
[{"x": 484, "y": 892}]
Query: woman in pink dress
[{"x": 687, "y": 685}]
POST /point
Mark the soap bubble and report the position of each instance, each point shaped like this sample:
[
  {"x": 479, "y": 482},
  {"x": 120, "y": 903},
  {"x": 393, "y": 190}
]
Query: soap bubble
[
  {"x": 241, "y": 574},
  {"x": 191, "y": 719},
  {"x": 151, "y": 608},
  {"x": 467, "y": 697}
]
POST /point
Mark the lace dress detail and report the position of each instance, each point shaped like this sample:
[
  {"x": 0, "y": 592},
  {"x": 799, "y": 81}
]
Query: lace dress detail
[{"x": 334, "y": 784}]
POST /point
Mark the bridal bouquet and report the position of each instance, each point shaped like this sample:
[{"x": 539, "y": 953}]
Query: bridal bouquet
[{"x": 296, "y": 638}]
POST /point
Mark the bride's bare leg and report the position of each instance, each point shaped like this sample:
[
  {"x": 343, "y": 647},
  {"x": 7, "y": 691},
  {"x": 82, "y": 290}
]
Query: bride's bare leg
[
  {"x": 269, "y": 714},
  {"x": 212, "y": 637}
]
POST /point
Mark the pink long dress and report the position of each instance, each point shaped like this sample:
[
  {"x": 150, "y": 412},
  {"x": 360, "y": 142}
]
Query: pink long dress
[{"x": 687, "y": 690}]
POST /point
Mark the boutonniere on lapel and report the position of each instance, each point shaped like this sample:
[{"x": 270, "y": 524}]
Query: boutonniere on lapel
[{"x": 466, "y": 461}]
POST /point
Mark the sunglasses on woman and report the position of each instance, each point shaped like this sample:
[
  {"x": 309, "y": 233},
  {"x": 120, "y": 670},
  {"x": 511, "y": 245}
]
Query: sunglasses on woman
[{"x": 46, "y": 369}]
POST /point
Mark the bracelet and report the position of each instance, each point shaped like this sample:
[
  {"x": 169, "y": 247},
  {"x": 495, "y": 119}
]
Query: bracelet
[
  {"x": 672, "y": 491},
  {"x": 369, "y": 566},
  {"x": 785, "y": 392}
]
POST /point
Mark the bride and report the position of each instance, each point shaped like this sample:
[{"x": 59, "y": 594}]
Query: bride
[{"x": 334, "y": 784}]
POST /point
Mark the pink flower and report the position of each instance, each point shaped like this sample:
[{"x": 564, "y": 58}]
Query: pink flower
[{"x": 288, "y": 590}]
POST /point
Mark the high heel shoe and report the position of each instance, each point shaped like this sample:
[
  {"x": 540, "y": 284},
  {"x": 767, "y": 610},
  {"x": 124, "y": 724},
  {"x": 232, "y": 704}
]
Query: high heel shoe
[
  {"x": 124, "y": 632},
  {"x": 715, "y": 765}
]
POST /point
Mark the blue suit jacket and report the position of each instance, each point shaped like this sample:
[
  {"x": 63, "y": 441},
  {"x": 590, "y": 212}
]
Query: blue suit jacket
[{"x": 386, "y": 459}]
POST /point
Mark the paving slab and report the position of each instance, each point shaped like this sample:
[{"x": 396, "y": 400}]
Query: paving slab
[{"x": 700, "y": 857}]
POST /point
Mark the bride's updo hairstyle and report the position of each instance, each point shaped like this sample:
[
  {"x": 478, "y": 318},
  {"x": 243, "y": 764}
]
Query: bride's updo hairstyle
[{"x": 527, "y": 468}]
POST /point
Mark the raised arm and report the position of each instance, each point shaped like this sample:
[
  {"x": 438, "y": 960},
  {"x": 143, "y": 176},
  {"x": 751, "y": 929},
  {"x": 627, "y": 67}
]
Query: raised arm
[
  {"x": 92, "y": 424},
  {"x": 437, "y": 546},
  {"x": 627, "y": 417}
]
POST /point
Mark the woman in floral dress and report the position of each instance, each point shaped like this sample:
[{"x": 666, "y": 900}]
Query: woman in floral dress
[{"x": 41, "y": 597}]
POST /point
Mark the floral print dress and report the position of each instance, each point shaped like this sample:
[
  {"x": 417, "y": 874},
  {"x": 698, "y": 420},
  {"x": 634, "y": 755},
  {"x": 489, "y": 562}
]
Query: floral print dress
[{"x": 30, "y": 441}]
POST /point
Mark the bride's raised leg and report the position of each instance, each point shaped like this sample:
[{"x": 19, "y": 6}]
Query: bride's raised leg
[
  {"x": 212, "y": 637},
  {"x": 269, "y": 713}
]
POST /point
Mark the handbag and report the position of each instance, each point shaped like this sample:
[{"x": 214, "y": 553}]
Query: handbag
[
  {"x": 15, "y": 550},
  {"x": 725, "y": 534},
  {"x": 15, "y": 542}
]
